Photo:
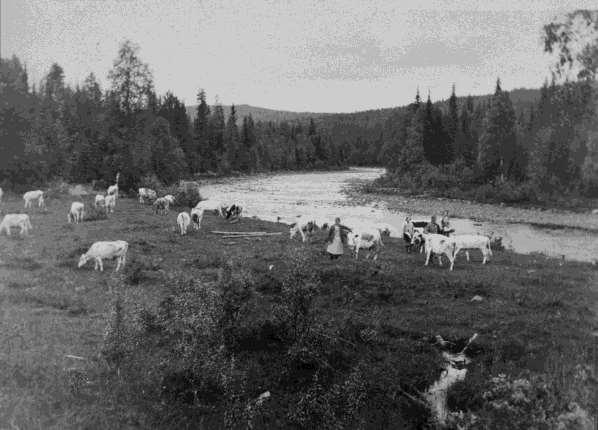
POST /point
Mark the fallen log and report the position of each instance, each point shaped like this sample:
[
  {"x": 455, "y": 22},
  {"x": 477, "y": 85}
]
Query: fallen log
[
  {"x": 242, "y": 237},
  {"x": 238, "y": 232},
  {"x": 233, "y": 236}
]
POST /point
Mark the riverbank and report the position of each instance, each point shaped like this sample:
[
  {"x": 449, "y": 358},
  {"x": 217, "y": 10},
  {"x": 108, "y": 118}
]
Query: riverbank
[
  {"x": 196, "y": 328},
  {"x": 423, "y": 204}
]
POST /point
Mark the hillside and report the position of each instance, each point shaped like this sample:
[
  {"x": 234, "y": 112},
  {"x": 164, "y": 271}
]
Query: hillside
[
  {"x": 521, "y": 97},
  {"x": 263, "y": 114}
]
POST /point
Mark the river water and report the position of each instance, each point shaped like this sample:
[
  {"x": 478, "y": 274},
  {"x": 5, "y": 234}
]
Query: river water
[{"x": 319, "y": 196}]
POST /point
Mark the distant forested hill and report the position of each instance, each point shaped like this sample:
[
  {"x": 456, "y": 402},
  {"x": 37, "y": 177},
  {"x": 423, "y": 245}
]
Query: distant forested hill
[
  {"x": 262, "y": 114},
  {"x": 521, "y": 98}
]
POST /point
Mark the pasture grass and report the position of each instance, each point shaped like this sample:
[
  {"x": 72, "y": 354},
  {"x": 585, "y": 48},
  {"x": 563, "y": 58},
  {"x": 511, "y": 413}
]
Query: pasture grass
[{"x": 368, "y": 327}]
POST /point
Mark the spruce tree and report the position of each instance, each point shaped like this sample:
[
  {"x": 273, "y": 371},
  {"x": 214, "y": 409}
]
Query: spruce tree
[
  {"x": 497, "y": 145},
  {"x": 231, "y": 142},
  {"x": 452, "y": 127},
  {"x": 201, "y": 138}
]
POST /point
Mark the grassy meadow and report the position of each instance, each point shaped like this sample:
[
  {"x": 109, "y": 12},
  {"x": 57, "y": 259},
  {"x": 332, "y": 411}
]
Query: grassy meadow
[{"x": 195, "y": 328}]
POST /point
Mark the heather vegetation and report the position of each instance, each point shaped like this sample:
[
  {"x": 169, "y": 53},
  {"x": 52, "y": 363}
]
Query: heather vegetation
[{"x": 205, "y": 332}]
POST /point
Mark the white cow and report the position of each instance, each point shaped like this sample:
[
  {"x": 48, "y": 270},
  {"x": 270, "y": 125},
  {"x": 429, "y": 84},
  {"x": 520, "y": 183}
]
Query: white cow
[
  {"x": 370, "y": 240},
  {"x": 170, "y": 198},
  {"x": 16, "y": 220},
  {"x": 473, "y": 241},
  {"x": 110, "y": 202},
  {"x": 146, "y": 194},
  {"x": 105, "y": 250},
  {"x": 30, "y": 196},
  {"x": 75, "y": 215},
  {"x": 210, "y": 205},
  {"x": 100, "y": 201},
  {"x": 197, "y": 216},
  {"x": 161, "y": 206},
  {"x": 304, "y": 228},
  {"x": 183, "y": 220},
  {"x": 113, "y": 189},
  {"x": 439, "y": 245}
]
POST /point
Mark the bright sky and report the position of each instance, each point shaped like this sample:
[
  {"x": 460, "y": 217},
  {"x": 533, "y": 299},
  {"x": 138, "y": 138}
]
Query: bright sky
[{"x": 301, "y": 55}]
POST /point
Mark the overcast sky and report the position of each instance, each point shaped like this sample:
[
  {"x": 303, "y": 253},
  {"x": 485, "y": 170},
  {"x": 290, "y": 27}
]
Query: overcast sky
[{"x": 298, "y": 55}]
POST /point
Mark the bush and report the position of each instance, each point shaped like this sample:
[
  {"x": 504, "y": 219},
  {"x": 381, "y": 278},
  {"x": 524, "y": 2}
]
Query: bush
[
  {"x": 521, "y": 403},
  {"x": 188, "y": 194}
]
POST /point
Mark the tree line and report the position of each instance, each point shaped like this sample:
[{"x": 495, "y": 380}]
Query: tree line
[
  {"x": 489, "y": 150},
  {"x": 84, "y": 134}
]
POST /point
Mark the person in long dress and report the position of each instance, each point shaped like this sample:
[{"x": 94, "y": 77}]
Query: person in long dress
[
  {"x": 408, "y": 231},
  {"x": 337, "y": 238},
  {"x": 445, "y": 225}
]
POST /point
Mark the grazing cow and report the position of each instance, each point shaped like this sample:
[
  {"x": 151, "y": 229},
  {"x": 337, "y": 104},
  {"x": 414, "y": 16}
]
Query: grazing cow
[
  {"x": 110, "y": 202},
  {"x": 417, "y": 240},
  {"x": 106, "y": 250},
  {"x": 161, "y": 206},
  {"x": 473, "y": 241},
  {"x": 210, "y": 205},
  {"x": 232, "y": 211},
  {"x": 146, "y": 194},
  {"x": 16, "y": 220},
  {"x": 439, "y": 245},
  {"x": 100, "y": 201},
  {"x": 197, "y": 216},
  {"x": 370, "y": 241},
  {"x": 183, "y": 220},
  {"x": 170, "y": 198},
  {"x": 30, "y": 196},
  {"x": 305, "y": 229},
  {"x": 75, "y": 215},
  {"x": 113, "y": 189}
]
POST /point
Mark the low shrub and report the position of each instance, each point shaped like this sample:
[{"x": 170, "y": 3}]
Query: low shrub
[
  {"x": 188, "y": 194},
  {"x": 94, "y": 214}
]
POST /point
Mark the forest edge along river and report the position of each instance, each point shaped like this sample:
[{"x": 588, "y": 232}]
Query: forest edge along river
[{"x": 322, "y": 196}]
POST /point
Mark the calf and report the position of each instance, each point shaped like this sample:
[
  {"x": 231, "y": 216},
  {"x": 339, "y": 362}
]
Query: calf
[
  {"x": 106, "y": 250},
  {"x": 367, "y": 240},
  {"x": 161, "y": 206},
  {"x": 439, "y": 245},
  {"x": 197, "y": 216},
  {"x": 183, "y": 220},
  {"x": 100, "y": 201},
  {"x": 110, "y": 202},
  {"x": 305, "y": 229},
  {"x": 473, "y": 241},
  {"x": 15, "y": 220},
  {"x": 210, "y": 205},
  {"x": 30, "y": 196},
  {"x": 75, "y": 215},
  {"x": 146, "y": 194}
]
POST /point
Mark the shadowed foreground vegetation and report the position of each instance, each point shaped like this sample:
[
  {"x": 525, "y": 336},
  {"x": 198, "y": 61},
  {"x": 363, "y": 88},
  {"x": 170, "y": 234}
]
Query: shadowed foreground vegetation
[{"x": 196, "y": 328}]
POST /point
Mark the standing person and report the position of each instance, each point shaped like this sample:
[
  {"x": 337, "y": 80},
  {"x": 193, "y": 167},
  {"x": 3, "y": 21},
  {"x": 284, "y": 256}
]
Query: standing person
[
  {"x": 445, "y": 225},
  {"x": 408, "y": 230},
  {"x": 432, "y": 226},
  {"x": 337, "y": 238}
]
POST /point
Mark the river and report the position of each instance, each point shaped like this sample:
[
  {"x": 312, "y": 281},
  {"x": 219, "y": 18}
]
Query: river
[{"x": 319, "y": 196}]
